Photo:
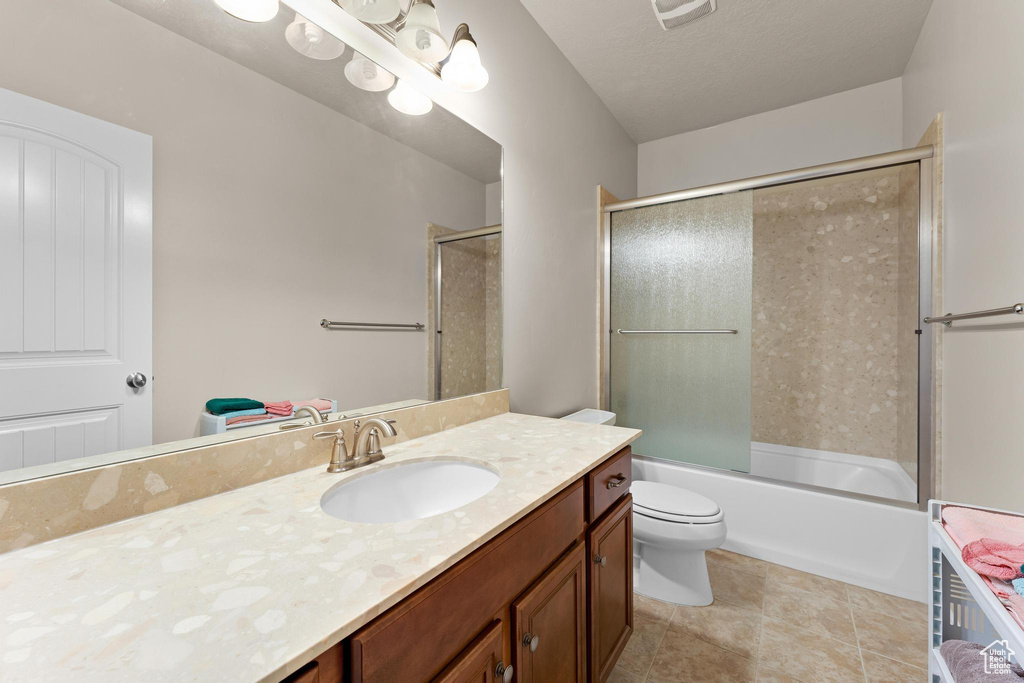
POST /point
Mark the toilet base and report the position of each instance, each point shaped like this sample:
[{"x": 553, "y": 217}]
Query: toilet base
[{"x": 679, "y": 577}]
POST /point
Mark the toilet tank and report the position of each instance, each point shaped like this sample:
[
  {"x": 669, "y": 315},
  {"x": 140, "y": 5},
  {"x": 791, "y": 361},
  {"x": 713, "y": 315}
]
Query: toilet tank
[{"x": 593, "y": 416}]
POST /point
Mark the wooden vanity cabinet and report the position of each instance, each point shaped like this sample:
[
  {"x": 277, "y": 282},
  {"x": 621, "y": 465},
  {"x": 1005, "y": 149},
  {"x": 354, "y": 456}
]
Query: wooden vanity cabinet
[
  {"x": 538, "y": 577},
  {"x": 610, "y": 581},
  {"x": 479, "y": 662},
  {"x": 550, "y": 634}
]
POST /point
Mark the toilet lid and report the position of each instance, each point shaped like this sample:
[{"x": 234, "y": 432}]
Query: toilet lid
[{"x": 672, "y": 503}]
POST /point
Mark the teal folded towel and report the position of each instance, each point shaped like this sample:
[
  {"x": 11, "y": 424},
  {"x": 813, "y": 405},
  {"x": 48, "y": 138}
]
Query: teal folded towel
[
  {"x": 240, "y": 413},
  {"x": 219, "y": 406}
]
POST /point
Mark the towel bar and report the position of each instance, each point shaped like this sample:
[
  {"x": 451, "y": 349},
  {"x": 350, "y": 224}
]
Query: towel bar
[{"x": 948, "y": 319}]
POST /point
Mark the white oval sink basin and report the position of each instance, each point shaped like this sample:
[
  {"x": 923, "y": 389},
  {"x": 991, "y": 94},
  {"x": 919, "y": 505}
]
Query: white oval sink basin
[{"x": 410, "y": 491}]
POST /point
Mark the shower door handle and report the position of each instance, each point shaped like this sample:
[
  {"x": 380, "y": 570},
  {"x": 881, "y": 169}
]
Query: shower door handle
[{"x": 677, "y": 331}]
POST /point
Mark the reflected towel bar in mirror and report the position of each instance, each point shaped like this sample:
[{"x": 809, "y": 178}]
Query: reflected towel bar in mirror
[
  {"x": 340, "y": 325},
  {"x": 677, "y": 331},
  {"x": 948, "y": 319}
]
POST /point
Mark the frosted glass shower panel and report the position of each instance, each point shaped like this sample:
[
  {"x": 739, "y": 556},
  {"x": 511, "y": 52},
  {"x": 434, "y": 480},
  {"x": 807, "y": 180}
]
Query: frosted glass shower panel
[{"x": 684, "y": 266}]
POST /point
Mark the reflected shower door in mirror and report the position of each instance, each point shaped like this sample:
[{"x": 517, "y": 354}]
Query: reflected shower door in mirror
[
  {"x": 774, "y": 331},
  {"x": 184, "y": 196}
]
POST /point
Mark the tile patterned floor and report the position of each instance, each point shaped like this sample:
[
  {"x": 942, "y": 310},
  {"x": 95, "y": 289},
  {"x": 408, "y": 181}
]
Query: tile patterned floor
[{"x": 773, "y": 624}]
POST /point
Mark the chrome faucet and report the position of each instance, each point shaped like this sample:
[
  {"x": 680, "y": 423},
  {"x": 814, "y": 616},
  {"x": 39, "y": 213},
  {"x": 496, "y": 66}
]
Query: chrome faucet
[
  {"x": 316, "y": 415},
  {"x": 368, "y": 438},
  {"x": 367, "y": 448}
]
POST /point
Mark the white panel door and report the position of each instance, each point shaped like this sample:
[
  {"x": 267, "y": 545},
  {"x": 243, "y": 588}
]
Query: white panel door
[{"x": 76, "y": 284}]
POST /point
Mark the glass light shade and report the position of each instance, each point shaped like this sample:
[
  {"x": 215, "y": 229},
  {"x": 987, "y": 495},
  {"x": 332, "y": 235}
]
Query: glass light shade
[
  {"x": 373, "y": 11},
  {"x": 250, "y": 10},
  {"x": 409, "y": 101},
  {"x": 312, "y": 41},
  {"x": 463, "y": 70},
  {"x": 364, "y": 73},
  {"x": 420, "y": 38}
]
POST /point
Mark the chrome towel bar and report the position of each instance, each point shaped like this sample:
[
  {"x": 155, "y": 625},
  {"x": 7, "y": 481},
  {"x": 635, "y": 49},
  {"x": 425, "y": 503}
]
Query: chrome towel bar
[
  {"x": 948, "y": 319},
  {"x": 331, "y": 324},
  {"x": 676, "y": 331}
]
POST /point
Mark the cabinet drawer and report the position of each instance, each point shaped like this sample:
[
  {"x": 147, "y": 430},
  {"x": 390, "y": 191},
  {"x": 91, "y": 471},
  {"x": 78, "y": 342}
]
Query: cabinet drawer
[
  {"x": 608, "y": 483},
  {"x": 418, "y": 638}
]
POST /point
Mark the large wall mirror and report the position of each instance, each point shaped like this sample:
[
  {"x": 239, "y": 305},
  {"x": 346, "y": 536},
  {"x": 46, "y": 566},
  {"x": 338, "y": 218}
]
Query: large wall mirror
[{"x": 194, "y": 207}]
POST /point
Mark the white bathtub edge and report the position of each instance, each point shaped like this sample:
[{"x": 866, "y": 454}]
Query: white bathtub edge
[{"x": 872, "y": 545}]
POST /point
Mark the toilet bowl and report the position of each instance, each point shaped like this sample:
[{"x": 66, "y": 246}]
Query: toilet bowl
[{"x": 672, "y": 529}]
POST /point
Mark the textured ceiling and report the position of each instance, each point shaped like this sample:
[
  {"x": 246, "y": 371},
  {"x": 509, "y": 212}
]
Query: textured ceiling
[
  {"x": 261, "y": 47},
  {"x": 748, "y": 57}
]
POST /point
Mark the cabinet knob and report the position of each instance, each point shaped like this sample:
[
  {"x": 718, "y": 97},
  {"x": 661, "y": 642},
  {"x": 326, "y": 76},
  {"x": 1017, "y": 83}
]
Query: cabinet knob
[
  {"x": 503, "y": 673},
  {"x": 531, "y": 641},
  {"x": 601, "y": 560}
]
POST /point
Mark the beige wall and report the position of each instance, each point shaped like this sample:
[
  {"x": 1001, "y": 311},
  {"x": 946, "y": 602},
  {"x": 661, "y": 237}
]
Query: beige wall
[
  {"x": 825, "y": 310},
  {"x": 270, "y": 212},
  {"x": 968, "y": 64},
  {"x": 842, "y": 126}
]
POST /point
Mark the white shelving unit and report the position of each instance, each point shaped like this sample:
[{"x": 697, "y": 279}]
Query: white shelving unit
[
  {"x": 963, "y": 607},
  {"x": 217, "y": 424}
]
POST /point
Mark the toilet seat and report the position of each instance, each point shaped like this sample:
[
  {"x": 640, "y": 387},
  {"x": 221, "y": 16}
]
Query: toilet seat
[{"x": 673, "y": 504}]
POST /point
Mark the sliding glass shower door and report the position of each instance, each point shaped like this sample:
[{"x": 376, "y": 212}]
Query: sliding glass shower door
[{"x": 680, "y": 315}]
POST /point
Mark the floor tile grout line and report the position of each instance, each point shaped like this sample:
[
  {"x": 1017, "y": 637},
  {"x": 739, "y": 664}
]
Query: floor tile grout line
[
  {"x": 893, "y": 659},
  {"x": 661, "y": 642},
  {"x": 856, "y": 634}
]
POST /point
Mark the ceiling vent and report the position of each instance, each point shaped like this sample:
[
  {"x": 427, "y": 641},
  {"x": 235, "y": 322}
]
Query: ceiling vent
[{"x": 674, "y": 13}]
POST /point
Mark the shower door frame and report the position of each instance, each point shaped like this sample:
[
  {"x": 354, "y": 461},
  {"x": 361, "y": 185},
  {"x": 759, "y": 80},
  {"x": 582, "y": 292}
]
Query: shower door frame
[
  {"x": 440, "y": 241},
  {"x": 923, "y": 156}
]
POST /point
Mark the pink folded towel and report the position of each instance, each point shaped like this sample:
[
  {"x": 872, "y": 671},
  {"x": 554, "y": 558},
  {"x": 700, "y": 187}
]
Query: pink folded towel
[
  {"x": 321, "y": 404},
  {"x": 965, "y": 525},
  {"x": 997, "y": 559},
  {"x": 246, "y": 418},
  {"x": 280, "y": 408}
]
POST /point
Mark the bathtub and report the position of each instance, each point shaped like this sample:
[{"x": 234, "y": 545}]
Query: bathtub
[
  {"x": 853, "y": 473},
  {"x": 875, "y": 545}
]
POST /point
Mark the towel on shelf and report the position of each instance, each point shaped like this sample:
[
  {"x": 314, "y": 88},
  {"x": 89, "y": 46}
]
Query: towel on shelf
[
  {"x": 219, "y": 406},
  {"x": 992, "y": 557},
  {"x": 244, "y": 413},
  {"x": 965, "y": 525},
  {"x": 246, "y": 418},
  {"x": 967, "y": 664},
  {"x": 321, "y": 404},
  {"x": 280, "y": 408}
]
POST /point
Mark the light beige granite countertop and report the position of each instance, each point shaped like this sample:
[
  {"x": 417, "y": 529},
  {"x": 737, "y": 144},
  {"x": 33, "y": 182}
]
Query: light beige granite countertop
[{"x": 250, "y": 584}]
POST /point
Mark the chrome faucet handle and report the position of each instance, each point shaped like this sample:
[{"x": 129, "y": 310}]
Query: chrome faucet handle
[{"x": 339, "y": 448}]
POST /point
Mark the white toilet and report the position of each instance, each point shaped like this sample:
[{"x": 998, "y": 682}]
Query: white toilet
[{"x": 672, "y": 529}]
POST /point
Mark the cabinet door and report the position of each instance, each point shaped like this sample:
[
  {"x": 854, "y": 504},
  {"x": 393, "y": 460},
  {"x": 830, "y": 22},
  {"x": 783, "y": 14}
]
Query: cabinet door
[
  {"x": 478, "y": 662},
  {"x": 550, "y": 624},
  {"x": 610, "y": 544}
]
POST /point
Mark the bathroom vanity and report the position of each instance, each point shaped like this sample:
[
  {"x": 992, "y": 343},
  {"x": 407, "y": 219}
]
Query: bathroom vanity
[
  {"x": 548, "y": 599},
  {"x": 531, "y": 581}
]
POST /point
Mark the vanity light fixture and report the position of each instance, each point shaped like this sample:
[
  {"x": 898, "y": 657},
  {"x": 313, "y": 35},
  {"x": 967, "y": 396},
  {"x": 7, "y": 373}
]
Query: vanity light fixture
[
  {"x": 312, "y": 41},
  {"x": 364, "y": 73},
  {"x": 372, "y": 11},
  {"x": 250, "y": 10},
  {"x": 463, "y": 70},
  {"x": 408, "y": 100},
  {"x": 420, "y": 38}
]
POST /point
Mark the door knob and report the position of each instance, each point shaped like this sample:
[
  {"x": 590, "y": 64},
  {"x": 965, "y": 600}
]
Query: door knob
[
  {"x": 136, "y": 380},
  {"x": 503, "y": 673},
  {"x": 531, "y": 641},
  {"x": 601, "y": 560}
]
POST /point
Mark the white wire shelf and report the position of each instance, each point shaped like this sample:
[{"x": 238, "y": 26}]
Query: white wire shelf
[{"x": 963, "y": 606}]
